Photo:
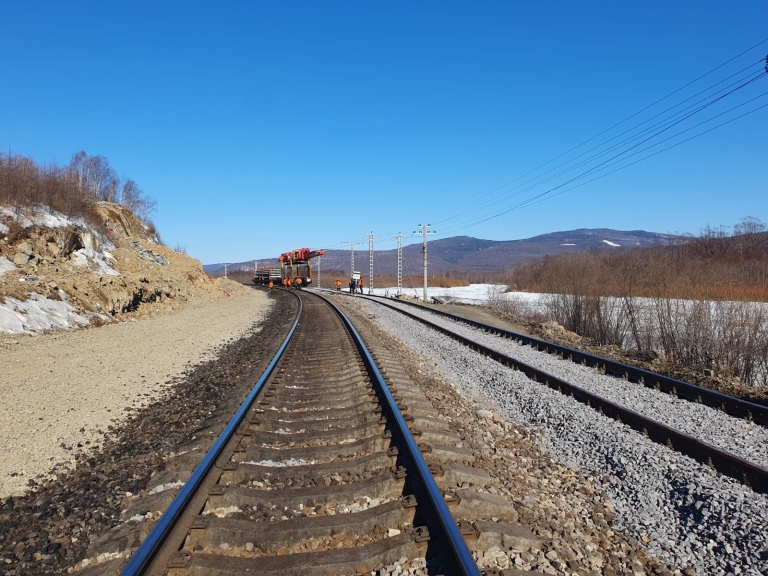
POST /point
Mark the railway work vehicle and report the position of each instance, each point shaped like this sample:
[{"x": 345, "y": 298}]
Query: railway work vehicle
[{"x": 295, "y": 269}]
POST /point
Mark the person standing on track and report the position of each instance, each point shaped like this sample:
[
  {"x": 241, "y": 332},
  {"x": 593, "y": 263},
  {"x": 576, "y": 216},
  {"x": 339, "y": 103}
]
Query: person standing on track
[{"x": 360, "y": 285}]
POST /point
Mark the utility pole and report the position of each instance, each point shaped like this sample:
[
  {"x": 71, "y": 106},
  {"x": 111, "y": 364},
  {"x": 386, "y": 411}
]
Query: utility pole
[
  {"x": 370, "y": 257},
  {"x": 319, "y": 259},
  {"x": 399, "y": 264},
  {"x": 225, "y": 269},
  {"x": 352, "y": 264},
  {"x": 425, "y": 230}
]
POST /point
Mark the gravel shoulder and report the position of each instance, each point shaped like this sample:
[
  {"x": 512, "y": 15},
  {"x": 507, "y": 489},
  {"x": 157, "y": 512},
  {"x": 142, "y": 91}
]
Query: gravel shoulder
[
  {"x": 62, "y": 391},
  {"x": 682, "y": 513}
]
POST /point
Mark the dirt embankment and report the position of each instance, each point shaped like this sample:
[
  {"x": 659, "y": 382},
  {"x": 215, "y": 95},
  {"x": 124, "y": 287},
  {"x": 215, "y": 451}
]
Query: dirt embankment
[
  {"x": 110, "y": 272},
  {"x": 150, "y": 314}
]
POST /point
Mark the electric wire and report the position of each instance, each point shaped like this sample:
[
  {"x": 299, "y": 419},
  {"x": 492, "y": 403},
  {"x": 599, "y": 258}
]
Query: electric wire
[
  {"x": 540, "y": 197},
  {"x": 670, "y": 122},
  {"x": 669, "y": 125},
  {"x": 634, "y": 138},
  {"x": 493, "y": 197}
]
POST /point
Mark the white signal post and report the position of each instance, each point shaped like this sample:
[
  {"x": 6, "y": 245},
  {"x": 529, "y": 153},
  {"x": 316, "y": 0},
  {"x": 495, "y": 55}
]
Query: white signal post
[
  {"x": 370, "y": 257},
  {"x": 425, "y": 230}
]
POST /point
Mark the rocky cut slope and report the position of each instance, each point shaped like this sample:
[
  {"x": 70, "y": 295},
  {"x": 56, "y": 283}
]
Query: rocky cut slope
[{"x": 58, "y": 272}]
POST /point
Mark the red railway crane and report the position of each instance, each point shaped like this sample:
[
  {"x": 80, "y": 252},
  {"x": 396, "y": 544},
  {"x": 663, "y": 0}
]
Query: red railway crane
[{"x": 296, "y": 267}]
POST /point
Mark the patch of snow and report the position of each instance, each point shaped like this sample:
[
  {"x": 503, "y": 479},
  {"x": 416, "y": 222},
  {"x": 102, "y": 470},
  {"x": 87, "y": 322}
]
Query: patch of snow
[
  {"x": 611, "y": 243},
  {"x": 40, "y": 216},
  {"x": 48, "y": 219},
  {"x": 88, "y": 254},
  {"x": 472, "y": 294},
  {"x": 568, "y": 244},
  {"x": 18, "y": 218},
  {"x": 164, "y": 487},
  {"x": 39, "y": 313},
  {"x": 283, "y": 464},
  {"x": 6, "y": 265},
  {"x": 223, "y": 512},
  {"x": 4, "y": 229},
  {"x": 478, "y": 294}
]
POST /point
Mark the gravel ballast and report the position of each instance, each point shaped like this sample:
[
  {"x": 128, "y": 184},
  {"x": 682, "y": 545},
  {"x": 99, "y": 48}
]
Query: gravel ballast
[
  {"x": 740, "y": 437},
  {"x": 679, "y": 510}
]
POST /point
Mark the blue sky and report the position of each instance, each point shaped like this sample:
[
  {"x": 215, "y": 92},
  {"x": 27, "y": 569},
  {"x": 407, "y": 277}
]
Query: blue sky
[{"x": 260, "y": 127}]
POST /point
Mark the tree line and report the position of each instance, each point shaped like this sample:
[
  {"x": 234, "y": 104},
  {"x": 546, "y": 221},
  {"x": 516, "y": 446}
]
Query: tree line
[
  {"x": 723, "y": 263},
  {"x": 72, "y": 189},
  {"x": 700, "y": 301}
]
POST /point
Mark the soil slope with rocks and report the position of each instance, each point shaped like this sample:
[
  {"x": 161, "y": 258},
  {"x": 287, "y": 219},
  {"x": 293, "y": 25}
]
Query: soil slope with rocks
[
  {"x": 149, "y": 313},
  {"x": 59, "y": 272}
]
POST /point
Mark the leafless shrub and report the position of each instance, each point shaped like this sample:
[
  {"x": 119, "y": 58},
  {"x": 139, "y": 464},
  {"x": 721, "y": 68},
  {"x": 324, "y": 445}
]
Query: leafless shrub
[
  {"x": 511, "y": 305},
  {"x": 728, "y": 338},
  {"x": 697, "y": 301},
  {"x": 725, "y": 337},
  {"x": 598, "y": 318}
]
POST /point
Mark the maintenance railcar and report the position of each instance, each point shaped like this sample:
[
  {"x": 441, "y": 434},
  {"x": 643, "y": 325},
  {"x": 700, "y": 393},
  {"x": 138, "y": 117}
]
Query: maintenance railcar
[{"x": 295, "y": 269}]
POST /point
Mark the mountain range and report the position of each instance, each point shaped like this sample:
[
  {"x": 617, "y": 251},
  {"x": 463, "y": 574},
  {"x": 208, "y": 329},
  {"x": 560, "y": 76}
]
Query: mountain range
[{"x": 472, "y": 255}]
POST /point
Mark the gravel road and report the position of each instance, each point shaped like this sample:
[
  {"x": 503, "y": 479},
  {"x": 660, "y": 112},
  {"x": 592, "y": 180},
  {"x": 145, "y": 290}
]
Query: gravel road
[{"x": 62, "y": 390}]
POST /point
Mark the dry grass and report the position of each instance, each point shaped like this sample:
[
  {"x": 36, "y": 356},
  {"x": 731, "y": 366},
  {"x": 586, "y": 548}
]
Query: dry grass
[{"x": 698, "y": 303}]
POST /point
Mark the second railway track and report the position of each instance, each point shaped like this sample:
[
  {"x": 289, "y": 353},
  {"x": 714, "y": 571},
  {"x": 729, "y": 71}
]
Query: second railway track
[
  {"x": 678, "y": 508},
  {"x": 750, "y": 469}
]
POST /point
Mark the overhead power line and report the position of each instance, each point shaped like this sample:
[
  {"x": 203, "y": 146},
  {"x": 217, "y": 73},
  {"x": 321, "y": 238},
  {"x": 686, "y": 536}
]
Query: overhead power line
[
  {"x": 497, "y": 202},
  {"x": 540, "y": 197}
]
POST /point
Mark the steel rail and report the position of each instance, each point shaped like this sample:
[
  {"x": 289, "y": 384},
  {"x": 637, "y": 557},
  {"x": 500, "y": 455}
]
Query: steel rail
[
  {"x": 685, "y": 390},
  {"x": 450, "y": 544},
  {"x": 147, "y": 551},
  {"x": 724, "y": 462}
]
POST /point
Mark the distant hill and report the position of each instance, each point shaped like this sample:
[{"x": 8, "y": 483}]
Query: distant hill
[{"x": 465, "y": 253}]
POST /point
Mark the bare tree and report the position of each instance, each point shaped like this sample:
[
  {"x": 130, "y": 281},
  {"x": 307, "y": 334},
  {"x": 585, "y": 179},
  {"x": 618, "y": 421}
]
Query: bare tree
[
  {"x": 101, "y": 175},
  {"x": 749, "y": 225},
  {"x": 95, "y": 176},
  {"x": 134, "y": 198},
  {"x": 78, "y": 165}
]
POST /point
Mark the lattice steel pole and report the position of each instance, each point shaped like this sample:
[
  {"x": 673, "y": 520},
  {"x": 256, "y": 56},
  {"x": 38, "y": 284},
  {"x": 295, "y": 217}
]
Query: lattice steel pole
[
  {"x": 370, "y": 258},
  {"x": 352, "y": 261},
  {"x": 399, "y": 264},
  {"x": 425, "y": 230}
]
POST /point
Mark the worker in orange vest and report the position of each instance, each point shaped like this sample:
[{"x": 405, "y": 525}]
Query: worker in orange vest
[
  {"x": 338, "y": 284},
  {"x": 270, "y": 283},
  {"x": 360, "y": 285},
  {"x": 298, "y": 281}
]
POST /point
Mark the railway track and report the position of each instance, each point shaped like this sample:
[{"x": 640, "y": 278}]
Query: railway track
[
  {"x": 289, "y": 496},
  {"x": 748, "y": 472},
  {"x": 334, "y": 464},
  {"x": 683, "y": 390}
]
